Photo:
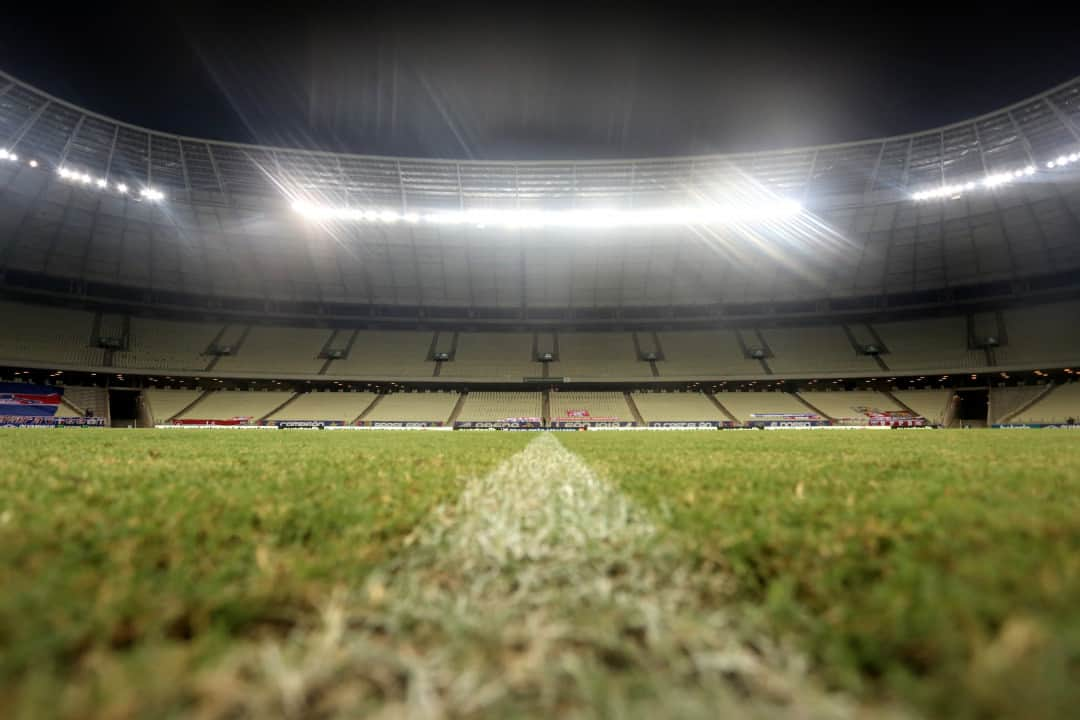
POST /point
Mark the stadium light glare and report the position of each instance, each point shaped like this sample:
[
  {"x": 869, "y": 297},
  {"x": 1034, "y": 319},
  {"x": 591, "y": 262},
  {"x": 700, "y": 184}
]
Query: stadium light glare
[
  {"x": 102, "y": 182},
  {"x": 731, "y": 213},
  {"x": 122, "y": 188},
  {"x": 33, "y": 163}
]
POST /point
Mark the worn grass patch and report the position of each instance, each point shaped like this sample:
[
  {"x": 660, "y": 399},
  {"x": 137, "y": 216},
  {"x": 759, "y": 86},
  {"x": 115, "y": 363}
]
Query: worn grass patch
[
  {"x": 942, "y": 568},
  {"x": 130, "y": 559}
]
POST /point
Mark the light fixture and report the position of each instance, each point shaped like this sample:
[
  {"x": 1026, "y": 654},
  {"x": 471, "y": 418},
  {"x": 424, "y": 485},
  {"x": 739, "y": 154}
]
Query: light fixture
[
  {"x": 121, "y": 188},
  {"x": 33, "y": 163},
  {"x": 731, "y": 213}
]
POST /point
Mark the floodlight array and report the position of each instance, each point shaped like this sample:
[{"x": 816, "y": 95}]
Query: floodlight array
[
  {"x": 82, "y": 178},
  {"x": 726, "y": 214},
  {"x": 990, "y": 181},
  {"x": 1063, "y": 160},
  {"x": 5, "y": 154}
]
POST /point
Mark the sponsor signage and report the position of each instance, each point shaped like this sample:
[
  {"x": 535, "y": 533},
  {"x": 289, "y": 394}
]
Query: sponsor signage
[
  {"x": 786, "y": 420},
  {"x": 509, "y": 424},
  {"x": 400, "y": 423},
  {"x": 593, "y": 422},
  {"x": 45, "y": 421},
  {"x": 689, "y": 423},
  {"x": 1038, "y": 426},
  {"x": 305, "y": 424},
  {"x": 29, "y": 400},
  {"x": 216, "y": 422}
]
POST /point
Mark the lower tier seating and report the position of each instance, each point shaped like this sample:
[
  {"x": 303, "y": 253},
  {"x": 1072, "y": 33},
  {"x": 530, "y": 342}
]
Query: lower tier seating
[{"x": 676, "y": 407}]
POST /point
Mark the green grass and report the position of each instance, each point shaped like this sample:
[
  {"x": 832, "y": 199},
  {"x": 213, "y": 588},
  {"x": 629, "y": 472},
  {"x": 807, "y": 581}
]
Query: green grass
[
  {"x": 942, "y": 568},
  {"x": 939, "y": 570},
  {"x": 129, "y": 559}
]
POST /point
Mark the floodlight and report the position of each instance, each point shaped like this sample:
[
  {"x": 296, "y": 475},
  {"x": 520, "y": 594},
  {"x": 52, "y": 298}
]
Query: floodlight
[
  {"x": 102, "y": 182},
  {"x": 3, "y": 153},
  {"x": 85, "y": 178},
  {"x": 33, "y": 163},
  {"x": 122, "y": 188},
  {"x": 13, "y": 157}
]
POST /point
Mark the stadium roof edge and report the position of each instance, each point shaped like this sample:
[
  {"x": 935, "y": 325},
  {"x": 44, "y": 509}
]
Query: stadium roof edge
[{"x": 11, "y": 79}]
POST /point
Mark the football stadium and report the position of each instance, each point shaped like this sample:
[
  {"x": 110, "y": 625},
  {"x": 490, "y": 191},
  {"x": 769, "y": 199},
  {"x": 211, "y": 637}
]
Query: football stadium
[{"x": 306, "y": 434}]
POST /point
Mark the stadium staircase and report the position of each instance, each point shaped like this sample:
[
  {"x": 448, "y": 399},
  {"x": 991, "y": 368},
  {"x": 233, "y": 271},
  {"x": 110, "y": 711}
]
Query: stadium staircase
[
  {"x": 280, "y": 407},
  {"x": 813, "y": 409},
  {"x": 190, "y": 405},
  {"x": 458, "y": 407},
  {"x": 367, "y": 411},
  {"x": 638, "y": 419},
  {"x": 545, "y": 408},
  {"x": 888, "y": 394},
  {"x": 720, "y": 406},
  {"x": 1029, "y": 404}
]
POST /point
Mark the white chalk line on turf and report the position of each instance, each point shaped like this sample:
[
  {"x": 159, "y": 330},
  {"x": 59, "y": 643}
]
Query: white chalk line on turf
[{"x": 542, "y": 589}]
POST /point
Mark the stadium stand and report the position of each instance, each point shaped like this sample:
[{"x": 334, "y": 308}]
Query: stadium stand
[
  {"x": 1057, "y": 406},
  {"x": 164, "y": 404},
  {"x": 481, "y": 406},
  {"x": 705, "y": 353},
  {"x": 930, "y": 344},
  {"x": 1005, "y": 401},
  {"x": 386, "y": 353},
  {"x": 167, "y": 345},
  {"x": 1041, "y": 336},
  {"x": 251, "y": 405},
  {"x": 743, "y": 405},
  {"x": 806, "y": 351},
  {"x": 85, "y": 399},
  {"x": 343, "y": 407},
  {"x": 498, "y": 356},
  {"x": 676, "y": 407},
  {"x": 43, "y": 334},
  {"x": 599, "y": 355},
  {"x": 842, "y": 405},
  {"x": 928, "y": 403},
  {"x": 609, "y": 405},
  {"x": 432, "y": 407},
  {"x": 278, "y": 351}
]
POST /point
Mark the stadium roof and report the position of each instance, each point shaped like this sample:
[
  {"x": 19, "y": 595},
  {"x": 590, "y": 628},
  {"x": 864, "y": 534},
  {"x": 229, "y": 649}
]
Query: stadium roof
[
  {"x": 34, "y": 123},
  {"x": 225, "y": 234}
]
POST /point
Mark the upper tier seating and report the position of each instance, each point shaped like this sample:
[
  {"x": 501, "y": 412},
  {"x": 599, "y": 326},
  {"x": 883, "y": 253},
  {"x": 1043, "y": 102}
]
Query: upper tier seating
[
  {"x": 43, "y": 334},
  {"x": 480, "y": 406},
  {"x": 704, "y": 353},
  {"x": 1057, "y": 406},
  {"x": 277, "y": 351},
  {"x": 338, "y": 406},
  {"x": 928, "y": 403},
  {"x": 607, "y": 405},
  {"x": 414, "y": 407},
  {"x": 230, "y": 404},
  {"x": 843, "y": 405},
  {"x": 167, "y": 345},
  {"x": 676, "y": 407},
  {"x": 806, "y": 351},
  {"x": 1043, "y": 336},
  {"x": 499, "y": 356},
  {"x": 386, "y": 353},
  {"x": 598, "y": 355},
  {"x": 164, "y": 404},
  {"x": 929, "y": 345},
  {"x": 743, "y": 405}
]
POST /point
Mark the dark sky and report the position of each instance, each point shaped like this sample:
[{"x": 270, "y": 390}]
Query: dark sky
[{"x": 552, "y": 80}]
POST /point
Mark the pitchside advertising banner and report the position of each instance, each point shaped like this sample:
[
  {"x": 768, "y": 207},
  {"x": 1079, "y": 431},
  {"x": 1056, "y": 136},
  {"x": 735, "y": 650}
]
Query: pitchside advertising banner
[
  {"x": 28, "y": 405},
  {"x": 504, "y": 424},
  {"x": 786, "y": 420},
  {"x": 691, "y": 424}
]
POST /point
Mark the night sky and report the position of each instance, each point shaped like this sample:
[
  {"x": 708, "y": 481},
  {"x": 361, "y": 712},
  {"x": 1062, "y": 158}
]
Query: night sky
[{"x": 550, "y": 81}]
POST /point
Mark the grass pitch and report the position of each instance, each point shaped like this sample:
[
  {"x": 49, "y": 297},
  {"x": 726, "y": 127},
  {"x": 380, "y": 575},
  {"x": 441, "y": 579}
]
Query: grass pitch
[{"x": 933, "y": 571}]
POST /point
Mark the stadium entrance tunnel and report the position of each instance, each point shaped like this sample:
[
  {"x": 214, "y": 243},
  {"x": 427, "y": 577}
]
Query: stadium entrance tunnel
[
  {"x": 972, "y": 406},
  {"x": 123, "y": 407}
]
